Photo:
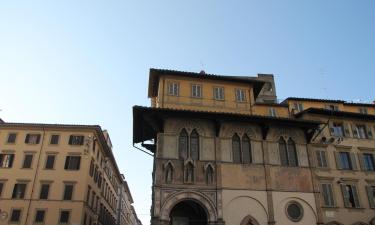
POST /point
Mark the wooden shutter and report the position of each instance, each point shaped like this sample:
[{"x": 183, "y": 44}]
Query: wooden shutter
[
  {"x": 355, "y": 196},
  {"x": 346, "y": 130},
  {"x": 353, "y": 161},
  {"x": 27, "y": 139},
  {"x": 370, "y": 195},
  {"x": 338, "y": 160},
  {"x": 318, "y": 159},
  {"x": 355, "y": 132},
  {"x": 361, "y": 163},
  {"x": 345, "y": 195},
  {"x": 369, "y": 132}
]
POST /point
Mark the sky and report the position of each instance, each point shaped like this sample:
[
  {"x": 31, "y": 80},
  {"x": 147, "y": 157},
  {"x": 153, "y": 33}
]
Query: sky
[{"x": 87, "y": 61}]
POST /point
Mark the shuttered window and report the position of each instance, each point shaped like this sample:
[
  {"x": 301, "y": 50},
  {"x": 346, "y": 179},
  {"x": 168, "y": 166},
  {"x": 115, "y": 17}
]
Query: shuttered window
[
  {"x": 76, "y": 139},
  {"x": 32, "y": 139},
  {"x": 350, "y": 196},
  {"x": 6, "y": 160},
  {"x": 345, "y": 161},
  {"x": 194, "y": 145},
  {"x": 368, "y": 162},
  {"x": 173, "y": 89},
  {"x": 321, "y": 159},
  {"x": 240, "y": 95},
  {"x": 236, "y": 149},
  {"x": 218, "y": 93},
  {"x": 72, "y": 162},
  {"x": 12, "y": 138},
  {"x": 371, "y": 195},
  {"x": 328, "y": 197},
  {"x": 183, "y": 144},
  {"x": 196, "y": 90}
]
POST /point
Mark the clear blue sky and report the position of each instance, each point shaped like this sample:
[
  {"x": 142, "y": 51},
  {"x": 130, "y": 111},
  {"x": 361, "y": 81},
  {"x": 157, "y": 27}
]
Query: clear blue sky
[{"x": 87, "y": 61}]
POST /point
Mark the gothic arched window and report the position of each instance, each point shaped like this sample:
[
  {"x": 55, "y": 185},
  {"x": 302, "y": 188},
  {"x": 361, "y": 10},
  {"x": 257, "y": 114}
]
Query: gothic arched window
[
  {"x": 236, "y": 148},
  {"x": 246, "y": 150},
  {"x": 209, "y": 175},
  {"x": 283, "y": 152},
  {"x": 292, "y": 153},
  {"x": 183, "y": 144},
  {"x": 194, "y": 145}
]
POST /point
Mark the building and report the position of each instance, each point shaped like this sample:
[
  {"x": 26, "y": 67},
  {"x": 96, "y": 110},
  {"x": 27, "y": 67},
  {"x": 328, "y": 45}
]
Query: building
[
  {"x": 58, "y": 174},
  {"x": 225, "y": 152}
]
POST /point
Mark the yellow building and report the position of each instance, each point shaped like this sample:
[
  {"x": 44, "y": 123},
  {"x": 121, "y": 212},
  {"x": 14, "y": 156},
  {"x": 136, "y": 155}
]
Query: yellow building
[
  {"x": 58, "y": 174},
  {"x": 225, "y": 152}
]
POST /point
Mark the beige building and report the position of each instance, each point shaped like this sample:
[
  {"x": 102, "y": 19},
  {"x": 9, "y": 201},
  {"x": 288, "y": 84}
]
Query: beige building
[
  {"x": 225, "y": 152},
  {"x": 59, "y": 174}
]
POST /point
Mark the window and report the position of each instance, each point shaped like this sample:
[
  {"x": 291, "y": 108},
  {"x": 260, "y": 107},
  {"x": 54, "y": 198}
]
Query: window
[
  {"x": 327, "y": 193},
  {"x": 241, "y": 149},
  {"x": 298, "y": 106},
  {"x": 218, "y": 93},
  {"x": 50, "y": 162},
  {"x": 76, "y": 139},
  {"x": 240, "y": 95},
  {"x": 189, "y": 173},
  {"x": 173, "y": 89},
  {"x": 196, "y": 91},
  {"x": 19, "y": 191},
  {"x": 288, "y": 153},
  {"x": 44, "y": 191},
  {"x": 332, "y": 107},
  {"x": 345, "y": 161},
  {"x": 72, "y": 162},
  {"x": 294, "y": 211},
  {"x": 350, "y": 196},
  {"x": 88, "y": 194},
  {"x": 91, "y": 171},
  {"x": 272, "y": 112},
  {"x": 363, "y": 110},
  {"x": 68, "y": 192},
  {"x": 321, "y": 159},
  {"x": 32, "y": 139},
  {"x": 39, "y": 216},
  {"x": 368, "y": 162},
  {"x": 64, "y": 216},
  {"x": 27, "y": 161},
  {"x": 169, "y": 174},
  {"x": 209, "y": 175},
  {"x": 236, "y": 148},
  {"x": 194, "y": 145},
  {"x": 1, "y": 187},
  {"x": 54, "y": 139},
  {"x": 371, "y": 196},
  {"x": 337, "y": 130},
  {"x": 15, "y": 216},
  {"x": 12, "y": 138},
  {"x": 6, "y": 160},
  {"x": 359, "y": 131}
]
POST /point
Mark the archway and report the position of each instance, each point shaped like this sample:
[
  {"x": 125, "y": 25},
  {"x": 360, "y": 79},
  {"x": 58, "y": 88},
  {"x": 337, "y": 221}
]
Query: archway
[{"x": 188, "y": 212}]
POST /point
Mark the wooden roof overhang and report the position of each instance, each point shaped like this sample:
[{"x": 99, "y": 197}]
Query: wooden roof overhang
[
  {"x": 155, "y": 74},
  {"x": 337, "y": 114},
  {"x": 147, "y": 122}
]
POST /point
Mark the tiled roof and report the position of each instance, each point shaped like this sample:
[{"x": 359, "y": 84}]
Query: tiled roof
[
  {"x": 335, "y": 113},
  {"x": 155, "y": 75},
  {"x": 313, "y": 100}
]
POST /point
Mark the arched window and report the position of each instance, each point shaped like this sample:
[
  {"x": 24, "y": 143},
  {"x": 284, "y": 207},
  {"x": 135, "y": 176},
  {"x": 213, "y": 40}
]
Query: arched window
[
  {"x": 292, "y": 153},
  {"x": 183, "y": 144},
  {"x": 168, "y": 174},
  {"x": 236, "y": 148},
  {"x": 189, "y": 173},
  {"x": 209, "y": 175},
  {"x": 194, "y": 145},
  {"x": 283, "y": 152},
  {"x": 246, "y": 150}
]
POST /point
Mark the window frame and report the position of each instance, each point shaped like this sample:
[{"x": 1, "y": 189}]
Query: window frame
[
  {"x": 36, "y": 214},
  {"x": 173, "y": 88},
  {"x": 46, "y": 162},
  {"x": 69, "y": 216},
  {"x": 29, "y": 141},
  {"x": 198, "y": 92},
  {"x": 331, "y": 199},
  {"x": 31, "y": 161},
  {"x": 240, "y": 95},
  {"x": 368, "y": 163},
  {"x": 319, "y": 159},
  {"x": 19, "y": 217},
  {"x": 220, "y": 93},
  {"x": 11, "y": 134},
  {"x": 69, "y": 164},
  {"x": 7, "y": 163},
  {"x": 51, "y": 139},
  {"x": 74, "y": 142},
  {"x": 41, "y": 190},
  {"x": 14, "y": 193}
]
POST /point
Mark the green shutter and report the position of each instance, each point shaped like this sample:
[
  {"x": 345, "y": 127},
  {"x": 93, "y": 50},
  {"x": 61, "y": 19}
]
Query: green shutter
[
  {"x": 345, "y": 195},
  {"x": 353, "y": 161},
  {"x": 338, "y": 161},
  {"x": 318, "y": 159},
  {"x": 355, "y": 195},
  {"x": 370, "y": 195},
  {"x": 361, "y": 164}
]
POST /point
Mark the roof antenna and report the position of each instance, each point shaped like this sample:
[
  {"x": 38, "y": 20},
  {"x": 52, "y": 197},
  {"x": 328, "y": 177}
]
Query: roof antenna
[{"x": 202, "y": 72}]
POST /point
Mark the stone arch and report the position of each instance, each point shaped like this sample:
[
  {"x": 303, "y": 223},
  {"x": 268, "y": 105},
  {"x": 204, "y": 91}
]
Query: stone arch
[
  {"x": 295, "y": 133},
  {"x": 195, "y": 196},
  {"x": 334, "y": 223},
  {"x": 229, "y": 129},
  {"x": 248, "y": 219},
  {"x": 245, "y": 196},
  {"x": 202, "y": 127}
]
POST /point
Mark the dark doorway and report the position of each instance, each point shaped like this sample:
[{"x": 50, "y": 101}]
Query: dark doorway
[{"x": 188, "y": 213}]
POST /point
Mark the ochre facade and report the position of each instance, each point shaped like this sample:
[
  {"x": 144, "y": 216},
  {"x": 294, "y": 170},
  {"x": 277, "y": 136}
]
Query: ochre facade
[{"x": 245, "y": 159}]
